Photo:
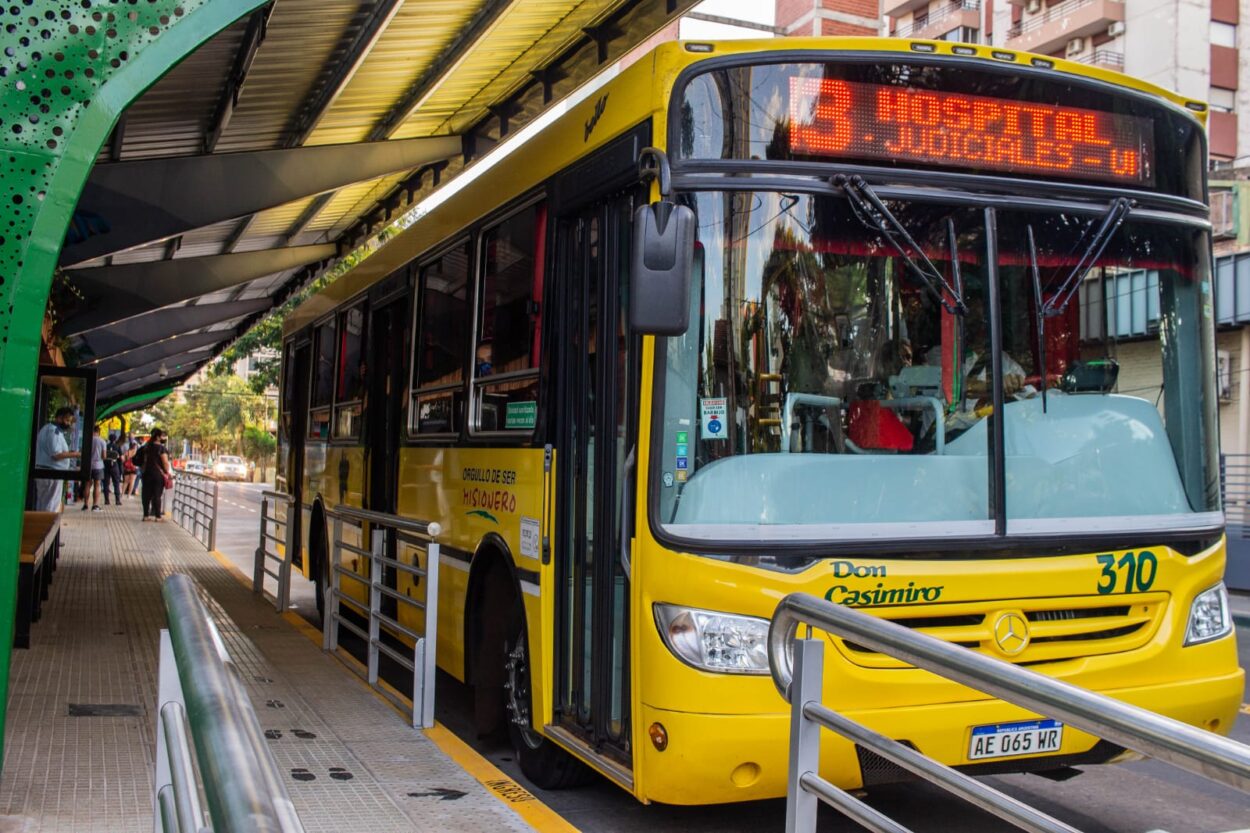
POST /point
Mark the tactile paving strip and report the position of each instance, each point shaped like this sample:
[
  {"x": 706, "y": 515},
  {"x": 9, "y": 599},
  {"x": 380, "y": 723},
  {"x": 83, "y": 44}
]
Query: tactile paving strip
[{"x": 352, "y": 762}]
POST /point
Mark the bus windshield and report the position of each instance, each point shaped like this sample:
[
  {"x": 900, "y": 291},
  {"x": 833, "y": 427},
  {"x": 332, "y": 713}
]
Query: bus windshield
[{"x": 824, "y": 390}]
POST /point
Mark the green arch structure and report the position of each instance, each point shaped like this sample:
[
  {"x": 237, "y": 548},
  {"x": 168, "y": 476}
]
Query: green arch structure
[{"x": 68, "y": 68}]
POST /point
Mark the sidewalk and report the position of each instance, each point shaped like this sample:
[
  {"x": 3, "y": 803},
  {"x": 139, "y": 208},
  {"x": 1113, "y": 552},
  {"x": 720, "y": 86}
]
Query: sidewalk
[{"x": 82, "y": 711}]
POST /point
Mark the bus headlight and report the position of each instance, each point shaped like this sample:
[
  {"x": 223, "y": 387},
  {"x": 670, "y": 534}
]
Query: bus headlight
[
  {"x": 1209, "y": 618},
  {"x": 722, "y": 642}
]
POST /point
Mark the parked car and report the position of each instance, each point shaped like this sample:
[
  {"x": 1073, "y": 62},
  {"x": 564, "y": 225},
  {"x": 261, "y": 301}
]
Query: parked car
[
  {"x": 229, "y": 467},
  {"x": 195, "y": 467}
]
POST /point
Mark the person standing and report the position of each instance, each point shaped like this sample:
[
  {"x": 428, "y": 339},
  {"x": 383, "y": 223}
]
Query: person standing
[
  {"x": 129, "y": 468},
  {"x": 154, "y": 464},
  {"x": 91, "y": 488},
  {"x": 52, "y": 451},
  {"x": 129, "y": 471},
  {"x": 113, "y": 469}
]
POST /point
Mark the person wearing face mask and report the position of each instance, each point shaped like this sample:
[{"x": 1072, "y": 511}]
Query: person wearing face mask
[{"x": 52, "y": 451}]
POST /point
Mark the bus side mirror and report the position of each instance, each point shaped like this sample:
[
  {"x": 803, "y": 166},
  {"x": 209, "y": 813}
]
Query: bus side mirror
[{"x": 661, "y": 263}]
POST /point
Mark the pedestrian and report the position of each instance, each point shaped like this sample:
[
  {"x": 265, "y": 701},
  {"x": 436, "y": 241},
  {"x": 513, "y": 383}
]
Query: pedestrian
[
  {"x": 91, "y": 487},
  {"x": 153, "y": 462},
  {"x": 52, "y": 451},
  {"x": 113, "y": 469},
  {"x": 129, "y": 471}
]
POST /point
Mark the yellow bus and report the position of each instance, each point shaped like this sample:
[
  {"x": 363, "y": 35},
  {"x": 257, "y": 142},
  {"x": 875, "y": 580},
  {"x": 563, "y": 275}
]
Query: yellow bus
[{"x": 875, "y": 371}]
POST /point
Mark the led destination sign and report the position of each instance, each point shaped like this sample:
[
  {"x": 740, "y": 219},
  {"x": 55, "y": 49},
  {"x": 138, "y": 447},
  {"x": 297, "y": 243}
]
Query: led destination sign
[{"x": 835, "y": 118}]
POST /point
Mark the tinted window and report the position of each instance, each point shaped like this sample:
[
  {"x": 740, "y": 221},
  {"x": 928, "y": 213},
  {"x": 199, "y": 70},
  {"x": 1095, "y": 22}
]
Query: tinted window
[
  {"x": 508, "y": 322},
  {"x": 442, "y": 344},
  {"x": 323, "y": 371}
]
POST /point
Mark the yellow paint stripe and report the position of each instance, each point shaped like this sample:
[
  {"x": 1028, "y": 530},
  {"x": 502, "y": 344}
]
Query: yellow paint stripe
[
  {"x": 232, "y": 568},
  {"x": 1245, "y": 708},
  {"x": 538, "y": 815},
  {"x": 522, "y": 802}
]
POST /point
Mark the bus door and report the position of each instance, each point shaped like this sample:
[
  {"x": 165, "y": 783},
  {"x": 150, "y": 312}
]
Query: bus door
[
  {"x": 299, "y": 369},
  {"x": 388, "y": 345},
  {"x": 388, "y": 329},
  {"x": 595, "y": 454}
]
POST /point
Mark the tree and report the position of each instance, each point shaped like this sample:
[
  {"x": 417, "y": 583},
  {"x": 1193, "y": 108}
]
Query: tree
[{"x": 258, "y": 444}]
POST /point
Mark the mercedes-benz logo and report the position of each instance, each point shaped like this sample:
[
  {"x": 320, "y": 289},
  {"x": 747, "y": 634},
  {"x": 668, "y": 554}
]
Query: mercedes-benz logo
[{"x": 1011, "y": 633}]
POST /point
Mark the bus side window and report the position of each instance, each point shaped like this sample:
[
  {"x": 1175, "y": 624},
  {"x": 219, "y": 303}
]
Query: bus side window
[
  {"x": 350, "y": 381},
  {"x": 440, "y": 345},
  {"x": 322, "y": 382},
  {"x": 508, "y": 333}
]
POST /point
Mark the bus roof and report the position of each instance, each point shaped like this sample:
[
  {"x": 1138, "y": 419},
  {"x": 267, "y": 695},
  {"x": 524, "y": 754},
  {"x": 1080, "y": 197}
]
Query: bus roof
[{"x": 639, "y": 91}]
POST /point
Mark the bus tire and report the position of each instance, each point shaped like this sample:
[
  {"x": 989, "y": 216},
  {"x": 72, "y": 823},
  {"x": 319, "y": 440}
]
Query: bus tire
[{"x": 544, "y": 763}]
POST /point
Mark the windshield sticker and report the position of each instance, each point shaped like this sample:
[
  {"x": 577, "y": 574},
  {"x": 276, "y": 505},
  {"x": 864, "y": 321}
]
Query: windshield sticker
[
  {"x": 520, "y": 415},
  {"x": 681, "y": 476},
  {"x": 668, "y": 480},
  {"x": 712, "y": 411}
]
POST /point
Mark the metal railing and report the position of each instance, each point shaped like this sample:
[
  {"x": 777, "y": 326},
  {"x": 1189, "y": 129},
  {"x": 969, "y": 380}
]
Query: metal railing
[
  {"x": 797, "y": 671},
  {"x": 194, "y": 506},
  {"x": 1102, "y": 58},
  {"x": 922, "y": 24},
  {"x": 201, "y": 693},
  {"x": 1053, "y": 13},
  {"x": 380, "y": 575},
  {"x": 282, "y": 535}
]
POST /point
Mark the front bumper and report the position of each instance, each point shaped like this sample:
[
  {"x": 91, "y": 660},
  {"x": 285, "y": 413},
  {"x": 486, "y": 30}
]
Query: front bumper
[{"x": 713, "y": 759}]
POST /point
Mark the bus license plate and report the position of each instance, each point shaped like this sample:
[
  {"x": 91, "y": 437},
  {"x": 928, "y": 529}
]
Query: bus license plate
[{"x": 1027, "y": 737}]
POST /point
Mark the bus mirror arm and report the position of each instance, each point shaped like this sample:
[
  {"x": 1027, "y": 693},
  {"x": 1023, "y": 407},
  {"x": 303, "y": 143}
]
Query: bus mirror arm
[{"x": 653, "y": 164}]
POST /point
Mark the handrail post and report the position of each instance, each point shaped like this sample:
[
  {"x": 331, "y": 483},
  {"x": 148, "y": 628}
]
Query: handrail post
[
  {"x": 801, "y": 805},
  {"x": 284, "y": 569},
  {"x": 212, "y": 519},
  {"x": 258, "y": 568},
  {"x": 377, "y": 546},
  {"x": 429, "y": 643},
  {"x": 329, "y": 625}
]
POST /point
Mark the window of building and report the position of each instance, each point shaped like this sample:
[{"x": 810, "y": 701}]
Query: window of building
[
  {"x": 1224, "y": 213},
  {"x": 961, "y": 34},
  {"x": 506, "y": 347},
  {"x": 1222, "y": 99},
  {"x": 1223, "y": 34},
  {"x": 322, "y": 381},
  {"x": 442, "y": 344},
  {"x": 350, "y": 386}
]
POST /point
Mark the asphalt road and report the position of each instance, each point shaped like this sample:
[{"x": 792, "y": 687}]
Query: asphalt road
[{"x": 1127, "y": 798}]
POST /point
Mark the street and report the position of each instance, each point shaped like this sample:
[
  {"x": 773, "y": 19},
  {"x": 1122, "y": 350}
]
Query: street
[{"x": 1126, "y": 798}]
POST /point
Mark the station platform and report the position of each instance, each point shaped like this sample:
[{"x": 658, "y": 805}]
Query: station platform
[{"x": 82, "y": 712}]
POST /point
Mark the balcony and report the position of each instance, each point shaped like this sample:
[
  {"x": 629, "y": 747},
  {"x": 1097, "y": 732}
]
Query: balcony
[
  {"x": 1050, "y": 30},
  {"x": 1105, "y": 58},
  {"x": 898, "y": 8},
  {"x": 962, "y": 13}
]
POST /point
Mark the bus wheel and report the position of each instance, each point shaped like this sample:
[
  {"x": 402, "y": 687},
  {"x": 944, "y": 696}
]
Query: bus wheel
[{"x": 545, "y": 764}]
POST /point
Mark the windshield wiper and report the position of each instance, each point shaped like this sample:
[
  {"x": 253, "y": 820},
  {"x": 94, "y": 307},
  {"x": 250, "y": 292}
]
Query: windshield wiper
[
  {"x": 1111, "y": 222},
  {"x": 873, "y": 214}
]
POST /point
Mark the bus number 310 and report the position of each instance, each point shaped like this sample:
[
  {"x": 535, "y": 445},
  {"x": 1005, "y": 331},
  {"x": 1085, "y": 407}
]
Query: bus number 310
[{"x": 1138, "y": 569}]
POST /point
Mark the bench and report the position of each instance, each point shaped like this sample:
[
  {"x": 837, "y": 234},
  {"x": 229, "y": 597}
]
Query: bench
[{"x": 41, "y": 538}]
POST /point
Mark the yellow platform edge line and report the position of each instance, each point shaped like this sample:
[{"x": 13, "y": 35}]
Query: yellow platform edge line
[{"x": 520, "y": 800}]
